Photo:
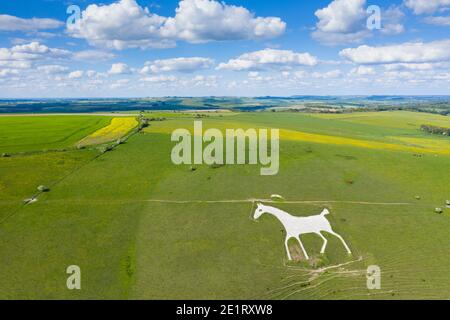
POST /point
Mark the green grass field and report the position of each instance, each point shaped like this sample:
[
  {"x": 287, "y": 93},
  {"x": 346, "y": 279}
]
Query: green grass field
[
  {"x": 37, "y": 133},
  {"x": 141, "y": 228}
]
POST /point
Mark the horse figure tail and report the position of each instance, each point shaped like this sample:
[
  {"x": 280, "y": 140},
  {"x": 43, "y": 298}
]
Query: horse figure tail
[{"x": 325, "y": 212}]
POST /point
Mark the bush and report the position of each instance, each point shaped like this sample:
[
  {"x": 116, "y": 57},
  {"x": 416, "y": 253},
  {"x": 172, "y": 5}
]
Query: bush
[
  {"x": 105, "y": 149},
  {"x": 5, "y": 155},
  {"x": 436, "y": 130},
  {"x": 43, "y": 188}
]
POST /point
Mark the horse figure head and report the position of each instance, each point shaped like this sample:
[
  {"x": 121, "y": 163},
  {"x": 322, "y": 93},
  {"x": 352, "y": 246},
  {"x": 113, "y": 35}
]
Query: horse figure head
[{"x": 260, "y": 210}]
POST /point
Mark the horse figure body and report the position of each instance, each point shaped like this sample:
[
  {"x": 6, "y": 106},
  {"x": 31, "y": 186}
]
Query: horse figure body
[{"x": 296, "y": 226}]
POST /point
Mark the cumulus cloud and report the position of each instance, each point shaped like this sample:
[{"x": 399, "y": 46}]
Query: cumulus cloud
[
  {"x": 76, "y": 74},
  {"x": 416, "y": 52},
  {"x": 160, "y": 79},
  {"x": 23, "y": 56},
  {"x": 13, "y": 64},
  {"x": 31, "y": 51},
  {"x": 341, "y": 16},
  {"x": 392, "y": 21},
  {"x": 12, "y": 23},
  {"x": 125, "y": 24},
  {"x": 178, "y": 65},
  {"x": 119, "y": 68},
  {"x": 93, "y": 55},
  {"x": 415, "y": 66},
  {"x": 333, "y": 74},
  {"x": 438, "y": 21},
  {"x": 120, "y": 25},
  {"x": 426, "y": 6},
  {"x": 342, "y": 21},
  {"x": 268, "y": 59},
  {"x": 52, "y": 69},
  {"x": 345, "y": 21},
  {"x": 8, "y": 72},
  {"x": 362, "y": 71},
  {"x": 207, "y": 20}
]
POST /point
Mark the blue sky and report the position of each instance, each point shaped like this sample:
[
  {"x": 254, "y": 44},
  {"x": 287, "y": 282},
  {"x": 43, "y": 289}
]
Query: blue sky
[{"x": 134, "y": 48}]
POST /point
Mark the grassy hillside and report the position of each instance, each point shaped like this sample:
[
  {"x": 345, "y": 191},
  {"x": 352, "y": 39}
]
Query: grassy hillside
[{"x": 140, "y": 227}]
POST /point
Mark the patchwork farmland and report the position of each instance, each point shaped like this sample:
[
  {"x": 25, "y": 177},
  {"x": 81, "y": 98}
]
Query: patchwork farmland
[{"x": 140, "y": 227}]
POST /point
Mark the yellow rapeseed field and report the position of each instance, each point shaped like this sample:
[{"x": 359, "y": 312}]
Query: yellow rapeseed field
[
  {"x": 317, "y": 138},
  {"x": 115, "y": 130}
]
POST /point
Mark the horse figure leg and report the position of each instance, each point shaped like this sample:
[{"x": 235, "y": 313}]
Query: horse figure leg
[
  {"x": 342, "y": 240},
  {"x": 286, "y": 244},
  {"x": 303, "y": 248},
  {"x": 325, "y": 242}
]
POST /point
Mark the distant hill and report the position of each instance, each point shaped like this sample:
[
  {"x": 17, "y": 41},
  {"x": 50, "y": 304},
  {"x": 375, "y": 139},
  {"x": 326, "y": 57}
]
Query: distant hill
[{"x": 432, "y": 104}]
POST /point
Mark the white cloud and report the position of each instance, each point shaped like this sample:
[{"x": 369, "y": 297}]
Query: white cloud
[
  {"x": 160, "y": 79},
  {"x": 416, "y": 52},
  {"x": 120, "y": 25},
  {"x": 8, "y": 72},
  {"x": 392, "y": 21},
  {"x": 342, "y": 21},
  {"x": 11, "y": 23},
  {"x": 24, "y": 56},
  {"x": 267, "y": 59},
  {"x": 119, "y": 68},
  {"x": 121, "y": 83},
  {"x": 76, "y": 74},
  {"x": 362, "y": 71},
  {"x": 345, "y": 21},
  {"x": 438, "y": 20},
  {"x": 52, "y": 69},
  {"x": 207, "y": 20},
  {"x": 414, "y": 66},
  {"x": 15, "y": 64},
  {"x": 426, "y": 6},
  {"x": 333, "y": 74},
  {"x": 341, "y": 16},
  {"x": 178, "y": 65},
  {"x": 93, "y": 55},
  {"x": 125, "y": 24}
]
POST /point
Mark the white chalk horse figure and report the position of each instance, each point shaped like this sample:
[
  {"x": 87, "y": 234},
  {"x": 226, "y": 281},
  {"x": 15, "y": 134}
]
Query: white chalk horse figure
[{"x": 296, "y": 226}]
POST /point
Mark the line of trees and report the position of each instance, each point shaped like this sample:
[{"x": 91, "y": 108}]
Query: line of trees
[{"x": 436, "y": 130}]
